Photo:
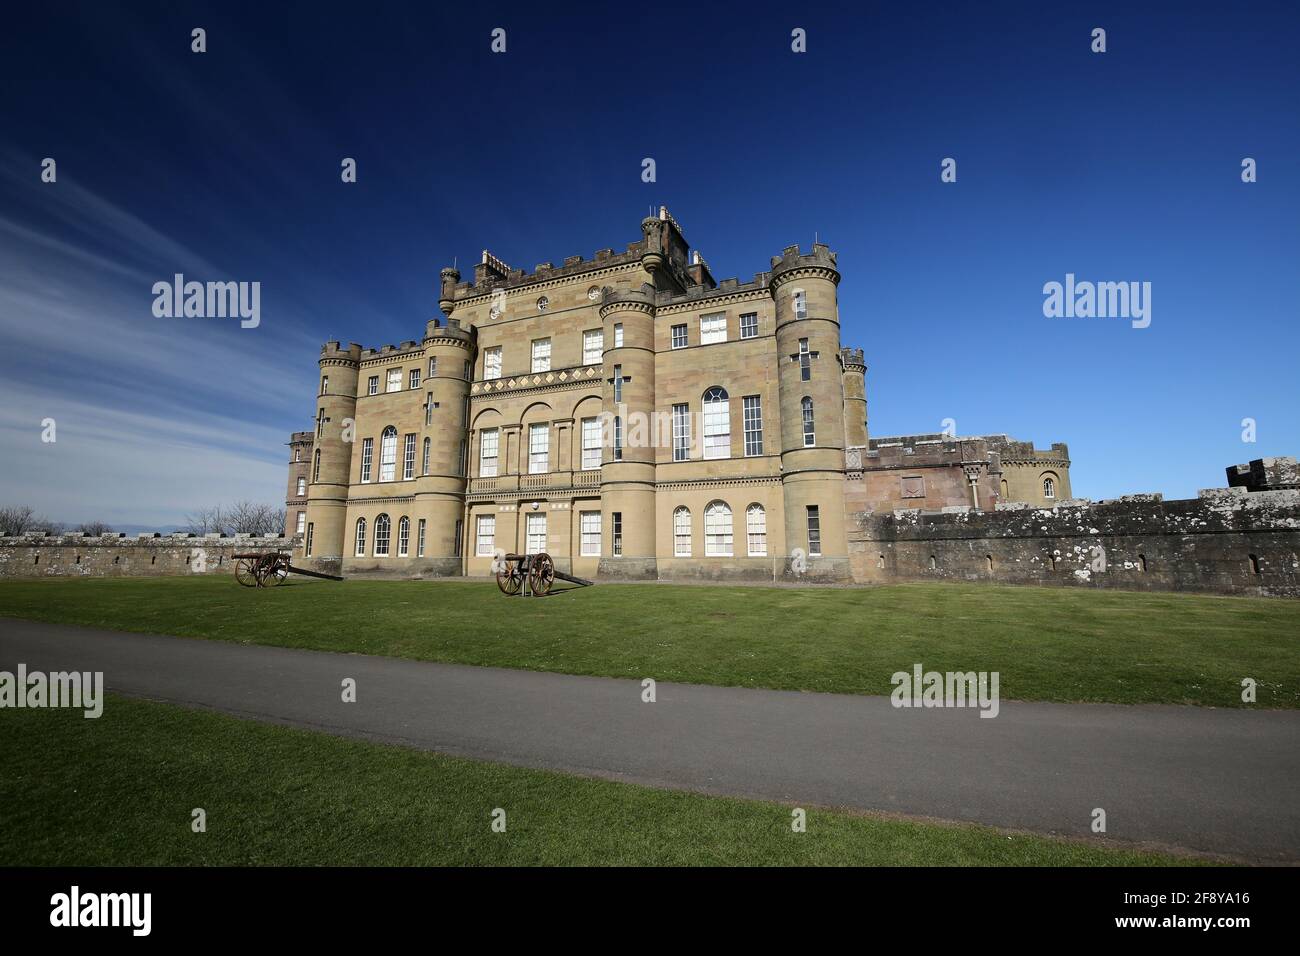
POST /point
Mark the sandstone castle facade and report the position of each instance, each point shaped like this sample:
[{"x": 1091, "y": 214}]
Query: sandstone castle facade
[
  {"x": 636, "y": 419},
  {"x": 630, "y": 416}
]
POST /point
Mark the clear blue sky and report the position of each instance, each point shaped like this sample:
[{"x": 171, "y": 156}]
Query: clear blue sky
[{"x": 225, "y": 165}]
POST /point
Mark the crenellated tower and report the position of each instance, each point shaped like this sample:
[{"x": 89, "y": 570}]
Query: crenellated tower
[
  {"x": 855, "y": 397},
  {"x": 440, "y": 490},
  {"x": 627, "y": 482},
  {"x": 331, "y": 457},
  {"x": 811, "y": 386}
]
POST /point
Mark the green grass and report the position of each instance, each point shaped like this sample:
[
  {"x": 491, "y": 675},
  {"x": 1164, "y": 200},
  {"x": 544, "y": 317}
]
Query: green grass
[
  {"x": 120, "y": 791},
  {"x": 1048, "y": 644}
]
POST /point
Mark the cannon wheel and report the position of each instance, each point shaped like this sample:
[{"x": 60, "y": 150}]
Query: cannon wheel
[
  {"x": 542, "y": 574},
  {"x": 510, "y": 578},
  {"x": 246, "y": 572},
  {"x": 275, "y": 571}
]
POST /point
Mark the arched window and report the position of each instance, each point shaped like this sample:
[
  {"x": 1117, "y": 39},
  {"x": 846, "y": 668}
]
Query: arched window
[
  {"x": 756, "y": 530},
  {"x": 315, "y": 466},
  {"x": 682, "y": 532},
  {"x": 1049, "y": 487},
  {"x": 1004, "y": 488},
  {"x": 933, "y": 563},
  {"x": 403, "y": 536},
  {"x": 717, "y": 423},
  {"x": 383, "y": 530},
  {"x": 988, "y": 558},
  {"x": 361, "y": 538},
  {"x": 717, "y": 530},
  {"x": 1142, "y": 562},
  {"x": 1254, "y": 563},
  {"x": 388, "y": 455},
  {"x": 424, "y": 463},
  {"x": 809, "y": 430}
]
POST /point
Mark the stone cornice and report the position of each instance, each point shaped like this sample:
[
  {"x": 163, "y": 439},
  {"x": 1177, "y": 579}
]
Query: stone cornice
[
  {"x": 389, "y": 357},
  {"x": 395, "y": 499},
  {"x": 627, "y": 305},
  {"x": 803, "y": 272},
  {"x": 716, "y": 298},
  {"x": 446, "y": 340},
  {"x": 687, "y": 483},
  {"x": 1038, "y": 462}
]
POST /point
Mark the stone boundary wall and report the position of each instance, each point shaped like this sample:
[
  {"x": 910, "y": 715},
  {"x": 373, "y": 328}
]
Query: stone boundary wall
[
  {"x": 1226, "y": 541},
  {"x": 116, "y": 555}
]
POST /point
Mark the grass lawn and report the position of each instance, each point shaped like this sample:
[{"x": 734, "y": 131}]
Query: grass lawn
[
  {"x": 120, "y": 790},
  {"x": 1048, "y": 644}
]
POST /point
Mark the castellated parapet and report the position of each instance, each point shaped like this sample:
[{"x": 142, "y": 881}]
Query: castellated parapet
[
  {"x": 1265, "y": 474},
  {"x": 1225, "y": 541},
  {"x": 117, "y": 555}
]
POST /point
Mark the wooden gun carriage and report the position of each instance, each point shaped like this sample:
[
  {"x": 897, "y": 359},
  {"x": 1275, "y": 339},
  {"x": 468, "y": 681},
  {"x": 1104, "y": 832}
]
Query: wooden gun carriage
[
  {"x": 266, "y": 569},
  {"x": 531, "y": 574}
]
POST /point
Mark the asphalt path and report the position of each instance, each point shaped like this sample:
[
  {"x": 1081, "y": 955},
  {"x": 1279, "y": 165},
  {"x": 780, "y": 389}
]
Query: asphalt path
[{"x": 1202, "y": 779}]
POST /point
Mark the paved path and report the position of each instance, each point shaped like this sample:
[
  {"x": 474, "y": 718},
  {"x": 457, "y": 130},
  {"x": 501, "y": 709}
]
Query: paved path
[{"x": 1222, "y": 781}]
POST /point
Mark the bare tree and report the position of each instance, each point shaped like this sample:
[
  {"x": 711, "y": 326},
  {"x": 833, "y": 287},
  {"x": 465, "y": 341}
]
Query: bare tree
[
  {"x": 20, "y": 519},
  {"x": 15, "y": 519},
  {"x": 95, "y": 528},
  {"x": 206, "y": 520},
  {"x": 242, "y": 517}
]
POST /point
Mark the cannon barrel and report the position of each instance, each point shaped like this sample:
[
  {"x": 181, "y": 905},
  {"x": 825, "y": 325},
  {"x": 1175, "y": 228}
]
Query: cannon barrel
[{"x": 314, "y": 574}]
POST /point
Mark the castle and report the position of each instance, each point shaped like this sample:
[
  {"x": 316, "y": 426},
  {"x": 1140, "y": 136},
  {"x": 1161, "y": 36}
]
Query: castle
[
  {"x": 630, "y": 416},
  {"x": 636, "y": 419}
]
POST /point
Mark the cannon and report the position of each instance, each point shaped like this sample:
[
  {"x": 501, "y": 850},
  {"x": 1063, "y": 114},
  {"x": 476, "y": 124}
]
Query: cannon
[
  {"x": 531, "y": 574},
  {"x": 268, "y": 568}
]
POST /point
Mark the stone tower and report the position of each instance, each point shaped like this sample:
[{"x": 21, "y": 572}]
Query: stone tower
[
  {"x": 440, "y": 490},
  {"x": 331, "y": 461},
  {"x": 627, "y": 483},
  {"x": 855, "y": 398},
  {"x": 803, "y": 288}
]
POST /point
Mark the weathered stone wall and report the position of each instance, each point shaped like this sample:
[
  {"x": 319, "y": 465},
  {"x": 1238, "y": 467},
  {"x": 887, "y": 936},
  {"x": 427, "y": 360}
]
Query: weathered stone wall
[
  {"x": 1227, "y": 541},
  {"x": 115, "y": 555}
]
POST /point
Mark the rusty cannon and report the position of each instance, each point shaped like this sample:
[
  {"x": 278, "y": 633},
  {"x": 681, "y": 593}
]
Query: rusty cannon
[
  {"x": 531, "y": 574},
  {"x": 267, "y": 569}
]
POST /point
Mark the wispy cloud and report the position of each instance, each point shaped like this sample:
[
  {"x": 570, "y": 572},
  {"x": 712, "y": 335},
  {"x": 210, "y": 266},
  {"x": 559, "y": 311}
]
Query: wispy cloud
[{"x": 154, "y": 417}]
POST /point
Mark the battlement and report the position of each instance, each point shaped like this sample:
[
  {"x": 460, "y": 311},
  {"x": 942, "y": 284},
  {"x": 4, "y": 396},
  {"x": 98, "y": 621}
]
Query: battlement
[
  {"x": 492, "y": 273},
  {"x": 1265, "y": 474},
  {"x": 1008, "y": 449},
  {"x": 644, "y": 296},
  {"x": 792, "y": 258},
  {"x": 853, "y": 358},
  {"x": 390, "y": 351},
  {"x": 451, "y": 330},
  {"x": 699, "y": 293},
  {"x": 1225, "y": 541},
  {"x": 301, "y": 438},
  {"x": 1012, "y": 450},
  {"x": 335, "y": 352},
  {"x": 915, "y": 451}
]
